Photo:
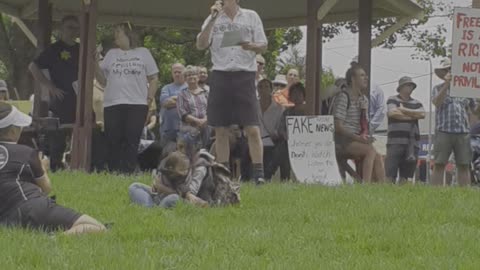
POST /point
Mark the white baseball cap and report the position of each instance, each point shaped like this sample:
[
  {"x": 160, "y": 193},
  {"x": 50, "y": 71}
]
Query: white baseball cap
[{"x": 10, "y": 116}]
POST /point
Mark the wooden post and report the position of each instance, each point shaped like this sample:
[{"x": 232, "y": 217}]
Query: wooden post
[
  {"x": 82, "y": 133},
  {"x": 44, "y": 33},
  {"x": 314, "y": 56},
  {"x": 319, "y": 64},
  {"x": 365, "y": 37}
]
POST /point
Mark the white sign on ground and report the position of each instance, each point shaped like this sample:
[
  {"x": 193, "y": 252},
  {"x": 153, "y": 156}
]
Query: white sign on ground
[
  {"x": 466, "y": 53},
  {"x": 311, "y": 147}
]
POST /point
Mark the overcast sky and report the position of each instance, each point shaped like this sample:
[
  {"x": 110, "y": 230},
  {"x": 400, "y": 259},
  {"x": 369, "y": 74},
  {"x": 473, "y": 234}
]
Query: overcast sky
[{"x": 388, "y": 65}]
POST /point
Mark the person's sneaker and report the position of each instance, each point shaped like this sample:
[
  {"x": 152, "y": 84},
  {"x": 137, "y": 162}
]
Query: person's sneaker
[{"x": 260, "y": 181}]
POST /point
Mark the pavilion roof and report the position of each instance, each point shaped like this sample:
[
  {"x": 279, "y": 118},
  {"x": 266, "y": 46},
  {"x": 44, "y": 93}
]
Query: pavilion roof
[{"x": 191, "y": 13}]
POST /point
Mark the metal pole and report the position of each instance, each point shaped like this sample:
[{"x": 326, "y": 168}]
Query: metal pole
[{"x": 430, "y": 124}]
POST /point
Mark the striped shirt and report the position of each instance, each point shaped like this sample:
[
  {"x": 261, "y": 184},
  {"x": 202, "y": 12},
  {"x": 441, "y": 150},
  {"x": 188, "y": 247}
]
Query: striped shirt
[
  {"x": 452, "y": 115},
  {"x": 349, "y": 115},
  {"x": 191, "y": 104},
  {"x": 403, "y": 131}
]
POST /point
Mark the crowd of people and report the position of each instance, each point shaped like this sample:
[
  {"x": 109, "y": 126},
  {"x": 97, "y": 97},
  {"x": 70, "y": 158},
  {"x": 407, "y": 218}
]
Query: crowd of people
[{"x": 212, "y": 126}]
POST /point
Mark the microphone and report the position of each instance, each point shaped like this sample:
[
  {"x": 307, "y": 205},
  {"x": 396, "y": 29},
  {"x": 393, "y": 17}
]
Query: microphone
[{"x": 215, "y": 12}]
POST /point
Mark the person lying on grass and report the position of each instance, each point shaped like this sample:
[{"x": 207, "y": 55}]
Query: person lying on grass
[
  {"x": 25, "y": 185},
  {"x": 190, "y": 174}
]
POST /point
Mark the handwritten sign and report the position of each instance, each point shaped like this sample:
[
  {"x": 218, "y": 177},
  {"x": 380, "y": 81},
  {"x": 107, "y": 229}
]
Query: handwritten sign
[
  {"x": 466, "y": 53},
  {"x": 311, "y": 147}
]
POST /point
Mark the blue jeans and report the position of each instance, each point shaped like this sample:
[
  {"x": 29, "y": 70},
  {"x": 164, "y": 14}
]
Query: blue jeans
[{"x": 141, "y": 194}]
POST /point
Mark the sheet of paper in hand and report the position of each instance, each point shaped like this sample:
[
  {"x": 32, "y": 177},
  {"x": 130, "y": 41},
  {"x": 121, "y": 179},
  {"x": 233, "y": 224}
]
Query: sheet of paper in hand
[
  {"x": 311, "y": 148},
  {"x": 234, "y": 38}
]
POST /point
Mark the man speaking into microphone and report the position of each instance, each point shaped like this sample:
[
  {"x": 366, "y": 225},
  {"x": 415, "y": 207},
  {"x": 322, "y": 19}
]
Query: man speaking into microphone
[{"x": 233, "y": 99}]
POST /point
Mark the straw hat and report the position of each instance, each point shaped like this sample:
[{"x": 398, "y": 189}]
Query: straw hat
[
  {"x": 446, "y": 65},
  {"x": 404, "y": 81}
]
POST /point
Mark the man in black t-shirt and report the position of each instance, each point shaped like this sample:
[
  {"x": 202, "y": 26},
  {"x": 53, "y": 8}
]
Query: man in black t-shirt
[
  {"x": 24, "y": 184},
  {"x": 61, "y": 61}
]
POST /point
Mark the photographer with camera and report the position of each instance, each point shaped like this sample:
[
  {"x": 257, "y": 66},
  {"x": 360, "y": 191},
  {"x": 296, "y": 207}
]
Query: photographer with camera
[{"x": 25, "y": 185}]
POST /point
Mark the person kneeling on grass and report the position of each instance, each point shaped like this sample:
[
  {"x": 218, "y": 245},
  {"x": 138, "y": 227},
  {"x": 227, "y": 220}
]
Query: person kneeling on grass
[
  {"x": 25, "y": 185},
  {"x": 189, "y": 174}
]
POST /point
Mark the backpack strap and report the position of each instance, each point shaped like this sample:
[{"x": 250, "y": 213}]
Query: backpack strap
[{"x": 332, "y": 102}]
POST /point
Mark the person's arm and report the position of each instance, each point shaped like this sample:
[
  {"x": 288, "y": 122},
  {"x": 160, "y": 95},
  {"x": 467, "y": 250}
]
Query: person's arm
[
  {"x": 192, "y": 120},
  {"x": 414, "y": 114},
  {"x": 260, "y": 43},
  {"x": 151, "y": 70},
  {"x": 101, "y": 67},
  {"x": 40, "y": 77},
  {"x": 184, "y": 110},
  {"x": 198, "y": 175},
  {"x": 398, "y": 115},
  {"x": 394, "y": 111},
  {"x": 153, "y": 121},
  {"x": 44, "y": 184},
  {"x": 205, "y": 36},
  {"x": 159, "y": 187},
  {"x": 152, "y": 88},
  {"x": 167, "y": 101},
  {"x": 39, "y": 173},
  {"x": 99, "y": 75},
  {"x": 189, "y": 197},
  {"x": 379, "y": 109},
  {"x": 440, "y": 95},
  {"x": 341, "y": 130},
  {"x": 257, "y": 48}
]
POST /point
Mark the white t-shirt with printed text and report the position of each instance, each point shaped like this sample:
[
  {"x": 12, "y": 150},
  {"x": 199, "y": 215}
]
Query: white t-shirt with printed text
[
  {"x": 126, "y": 73},
  {"x": 235, "y": 58}
]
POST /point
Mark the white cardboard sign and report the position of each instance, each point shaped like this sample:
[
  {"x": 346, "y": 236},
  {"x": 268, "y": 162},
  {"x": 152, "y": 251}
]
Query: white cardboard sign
[
  {"x": 311, "y": 148},
  {"x": 466, "y": 53}
]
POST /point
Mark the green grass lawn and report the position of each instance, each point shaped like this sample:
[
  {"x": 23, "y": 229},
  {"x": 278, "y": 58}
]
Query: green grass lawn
[{"x": 277, "y": 226}]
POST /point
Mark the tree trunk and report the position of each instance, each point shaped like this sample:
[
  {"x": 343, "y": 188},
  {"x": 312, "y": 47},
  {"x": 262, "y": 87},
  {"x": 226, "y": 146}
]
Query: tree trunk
[{"x": 6, "y": 52}]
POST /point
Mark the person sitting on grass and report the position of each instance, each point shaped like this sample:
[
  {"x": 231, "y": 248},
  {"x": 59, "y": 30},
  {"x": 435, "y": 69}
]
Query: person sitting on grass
[
  {"x": 188, "y": 174},
  {"x": 25, "y": 185}
]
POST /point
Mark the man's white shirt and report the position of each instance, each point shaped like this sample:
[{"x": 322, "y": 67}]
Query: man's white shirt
[{"x": 235, "y": 58}]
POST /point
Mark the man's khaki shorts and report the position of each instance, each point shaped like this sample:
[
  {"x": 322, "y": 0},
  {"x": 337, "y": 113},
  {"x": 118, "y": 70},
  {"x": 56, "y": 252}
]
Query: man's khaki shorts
[{"x": 446, "y": 143}]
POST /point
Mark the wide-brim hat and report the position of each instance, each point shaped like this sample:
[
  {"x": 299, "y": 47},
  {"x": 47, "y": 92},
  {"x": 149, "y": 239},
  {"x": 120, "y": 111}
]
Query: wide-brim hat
[
  {"x": 405, "y": 81},
  {"x": 280, "y": 79},
  {"x": 446, "y": 65},
  {"x": 10, "y": 116}
]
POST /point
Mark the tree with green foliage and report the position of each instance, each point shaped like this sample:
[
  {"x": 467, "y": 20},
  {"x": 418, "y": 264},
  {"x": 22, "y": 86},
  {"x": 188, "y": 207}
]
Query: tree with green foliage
[{"x": 428, "y": 42}]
